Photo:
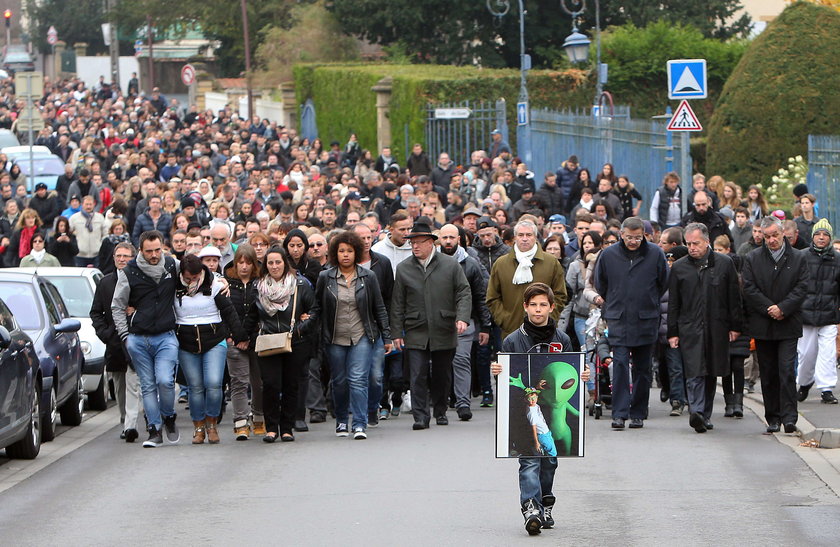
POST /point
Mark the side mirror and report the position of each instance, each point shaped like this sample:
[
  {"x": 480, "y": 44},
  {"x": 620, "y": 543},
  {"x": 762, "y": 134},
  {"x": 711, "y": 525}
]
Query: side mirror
[
  {"x": 68, "y": 325},
  {"x": 5, "y": 338}
]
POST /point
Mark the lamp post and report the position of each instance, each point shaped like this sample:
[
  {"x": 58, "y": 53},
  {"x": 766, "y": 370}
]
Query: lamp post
[
  {"x": 500, "y": 8},
  {"x": 247, "y": 40},
  {"x": 577, "y": 45}
]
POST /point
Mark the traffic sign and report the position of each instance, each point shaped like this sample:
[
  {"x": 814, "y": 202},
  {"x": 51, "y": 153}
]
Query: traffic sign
[
  {"x": 29, "y": 85},
  {"x": 687, "y": 79},
  {"x": 52, "y": 36},
  {"x": 522, "y": 113},
  {"x": 452, "y": 113},
  {"x": 684, "y": 119},
  {"x": 188, "y": 74}
]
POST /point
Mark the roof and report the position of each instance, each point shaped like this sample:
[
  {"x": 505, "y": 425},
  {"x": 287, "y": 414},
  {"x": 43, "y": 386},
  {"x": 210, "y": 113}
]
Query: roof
[
  {"x": 232, "y": 83},
  {"x": 62, "y": 271}
]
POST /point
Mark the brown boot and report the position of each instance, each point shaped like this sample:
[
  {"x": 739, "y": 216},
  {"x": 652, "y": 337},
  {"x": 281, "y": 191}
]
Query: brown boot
[
  {"x": 198, "y": 434},
  {"x": 212, "y": 434}
]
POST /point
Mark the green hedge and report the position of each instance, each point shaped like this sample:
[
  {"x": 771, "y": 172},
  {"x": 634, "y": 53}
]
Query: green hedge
[
  {"x": 344, "y": 102},
  {"x": 783, "y": 89}
]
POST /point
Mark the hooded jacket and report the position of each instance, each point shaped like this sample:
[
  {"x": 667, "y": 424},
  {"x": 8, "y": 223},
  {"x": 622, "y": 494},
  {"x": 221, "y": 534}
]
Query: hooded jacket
[{"x": 306, "y": 266}]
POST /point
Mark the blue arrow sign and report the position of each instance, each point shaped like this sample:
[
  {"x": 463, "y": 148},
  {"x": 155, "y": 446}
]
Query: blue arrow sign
[{"x": 522, "y": 113}]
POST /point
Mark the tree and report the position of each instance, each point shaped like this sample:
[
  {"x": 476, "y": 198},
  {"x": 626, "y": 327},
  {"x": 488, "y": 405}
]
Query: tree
[
  {"x": 442, "y": 31},
  {"x": 779, "y": 93},
  {"x": 281, "y": 48},
  {"x": 77, "y": 21}
]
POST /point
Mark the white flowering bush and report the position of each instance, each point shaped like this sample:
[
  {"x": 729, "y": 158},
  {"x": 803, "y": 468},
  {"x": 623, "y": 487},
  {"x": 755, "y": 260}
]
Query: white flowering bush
[{"x": 779, "y": 192}]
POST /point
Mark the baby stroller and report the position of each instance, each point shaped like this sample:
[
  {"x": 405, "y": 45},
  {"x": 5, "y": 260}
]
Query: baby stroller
[{"x": 596, "y": 346}]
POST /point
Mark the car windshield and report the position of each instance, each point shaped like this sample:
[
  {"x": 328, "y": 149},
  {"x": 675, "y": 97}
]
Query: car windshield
[
  {"x": 20, "y": 298},
  {"x": 42, "y": 165},
  {"x": 76, "y": 292}
]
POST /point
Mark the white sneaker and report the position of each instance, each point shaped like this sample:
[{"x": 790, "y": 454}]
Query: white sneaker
[{"x": 406, "y": 404}]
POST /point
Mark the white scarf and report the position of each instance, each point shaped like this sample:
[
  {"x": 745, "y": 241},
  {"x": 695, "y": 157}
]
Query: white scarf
[
  {"x": 38, "y": 256},
  {"x": 523, "y": 273}
]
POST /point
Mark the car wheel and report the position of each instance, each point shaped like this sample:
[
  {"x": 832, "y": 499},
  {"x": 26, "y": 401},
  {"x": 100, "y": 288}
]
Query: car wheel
[
  {"x": 98, "y": 398},
  {"x": 49, "y": 418},
  {"x": 28, "y": 447},
  {"x": 71, "y": 411}
]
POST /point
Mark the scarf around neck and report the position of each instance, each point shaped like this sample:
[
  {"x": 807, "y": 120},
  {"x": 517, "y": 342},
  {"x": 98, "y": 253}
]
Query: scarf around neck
[
  {"x": 523, "y": 273},
  {"x": 38, "y": 256},
  {"x": 88, "y": 220},
  {"x": 190, "y": 289},
  {"x": 540, "y": 335},
  {"x": 275, "y": 295},
  {"x": 26, "y": 240}
]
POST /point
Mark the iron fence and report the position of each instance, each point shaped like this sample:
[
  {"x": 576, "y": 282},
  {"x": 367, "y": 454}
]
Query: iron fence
[
  {"x": 824, "y": 174},
  {"x": 460, "y": 136}
]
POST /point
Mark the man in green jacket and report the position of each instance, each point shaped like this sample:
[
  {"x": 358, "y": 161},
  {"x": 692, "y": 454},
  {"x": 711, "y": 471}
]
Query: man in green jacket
[
  {"x": 526, "y": 263},
  {"x": 430, "y": 306}
]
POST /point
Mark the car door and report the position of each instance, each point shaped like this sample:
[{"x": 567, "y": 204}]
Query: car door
[
  {"x": 74, "y": 345},
  {"x": 57, "y": 344},
  {"x": 15, "y": 398}
]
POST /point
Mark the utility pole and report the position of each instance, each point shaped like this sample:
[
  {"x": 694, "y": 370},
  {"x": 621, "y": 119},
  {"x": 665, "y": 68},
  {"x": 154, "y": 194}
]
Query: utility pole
[
  {"x": 247, "y": 58},
  {"x": 151, "y": 54},
  {"x": 114, "y": 48}
]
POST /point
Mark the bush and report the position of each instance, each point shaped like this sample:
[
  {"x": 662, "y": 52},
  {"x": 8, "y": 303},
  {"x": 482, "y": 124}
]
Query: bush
[
  {"x": 779, "y": 93},
  {"x": 344, "y": 102},
  {"x": 638, "y": 58}
]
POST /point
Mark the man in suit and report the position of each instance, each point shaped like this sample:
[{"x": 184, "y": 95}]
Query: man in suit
[
  {"x": 430, "y": 306},
  {"x": 631, "y": 277},
  {"x": 775, "y": 286}
]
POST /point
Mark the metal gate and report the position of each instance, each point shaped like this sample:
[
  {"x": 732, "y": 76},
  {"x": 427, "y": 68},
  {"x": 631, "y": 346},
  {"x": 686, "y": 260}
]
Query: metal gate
[
  {"x": 460, "y": 128},
  {"x": 824, "y": 174},
  {"x": 637, "y": 148},
  {"x": 308, "y": 126}
]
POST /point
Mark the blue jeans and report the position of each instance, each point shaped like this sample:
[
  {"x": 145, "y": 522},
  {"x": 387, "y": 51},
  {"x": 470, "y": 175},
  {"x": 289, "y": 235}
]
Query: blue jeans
[
  {"x": 377, "y": 373},
  {"x": 154, "y": 358},
  {"x": 673, "y": 358},
  {"x": 205, "y": 373},
  {"x": 350, "y": 369},
  {"x": 536, "y": 477}
]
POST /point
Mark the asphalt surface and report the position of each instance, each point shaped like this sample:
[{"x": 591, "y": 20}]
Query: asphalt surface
[{"x": 664, "y": 483}]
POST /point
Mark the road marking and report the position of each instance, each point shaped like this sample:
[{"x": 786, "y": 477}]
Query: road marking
[{"x": 17, "y": 471}]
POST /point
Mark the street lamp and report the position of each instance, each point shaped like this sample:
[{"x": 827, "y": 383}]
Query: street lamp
[
  {"x": 577, "y": 45},
  {"x": 500, "y": 8}
]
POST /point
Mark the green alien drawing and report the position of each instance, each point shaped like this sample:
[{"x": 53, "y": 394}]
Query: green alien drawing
[{"x": 559, "y": 382}]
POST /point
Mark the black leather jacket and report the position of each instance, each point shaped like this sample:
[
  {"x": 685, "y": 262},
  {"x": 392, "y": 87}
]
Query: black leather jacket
[
  {"x": 368, "y": 301},
  {"x": 259, "y": 322}
]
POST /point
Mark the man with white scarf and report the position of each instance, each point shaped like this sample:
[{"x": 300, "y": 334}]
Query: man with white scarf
[{"x": 526, "y": 263}]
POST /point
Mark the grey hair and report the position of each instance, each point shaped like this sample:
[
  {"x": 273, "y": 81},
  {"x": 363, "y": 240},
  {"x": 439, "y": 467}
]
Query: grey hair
[
  {"x": 698, "y": 227},
  {"x": 632, "y": 223},
  {"x": 525, "y": 224},
  {"x": 770, "y": 221}
]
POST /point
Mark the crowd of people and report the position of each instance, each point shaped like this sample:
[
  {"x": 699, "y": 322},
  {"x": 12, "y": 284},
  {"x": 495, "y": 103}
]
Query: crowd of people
[{"x": 391, "y": 280}]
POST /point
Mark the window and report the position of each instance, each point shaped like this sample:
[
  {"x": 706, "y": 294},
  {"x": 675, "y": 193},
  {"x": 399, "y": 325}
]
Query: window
[
  {"x": 52, "y": 312},
  {"x": 76, "y": 294},
  {"x": 6, "y": 318},
  {"x": 21, "y": 300}
]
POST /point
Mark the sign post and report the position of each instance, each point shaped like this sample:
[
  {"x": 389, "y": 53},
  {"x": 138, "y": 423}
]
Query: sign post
[
  {"x": 687, "y": 79},
  {"x": 188, "y": 78}
]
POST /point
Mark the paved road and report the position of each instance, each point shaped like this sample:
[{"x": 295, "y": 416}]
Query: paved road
[{"x": 664, "y": 483}]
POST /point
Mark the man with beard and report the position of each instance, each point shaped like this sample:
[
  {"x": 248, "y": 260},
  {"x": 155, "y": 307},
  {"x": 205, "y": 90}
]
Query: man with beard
[
  {"x": 716, "y": 224},
  {"x": 450, "y": 244},
  {"x": 395, "y": 247},
  {"x": 704, "y": 315}
]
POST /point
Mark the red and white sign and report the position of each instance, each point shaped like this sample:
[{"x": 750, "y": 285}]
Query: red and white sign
[
  {"x": 52, "y": 36},
  {"x": 188, "y": 74},
  {"x": 684, "y": 119}
]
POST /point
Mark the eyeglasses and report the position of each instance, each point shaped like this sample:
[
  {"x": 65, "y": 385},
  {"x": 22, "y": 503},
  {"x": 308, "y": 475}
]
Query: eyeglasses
[
  {"x": 633, "y": 238},
  {"x": 259, "y": 244}
]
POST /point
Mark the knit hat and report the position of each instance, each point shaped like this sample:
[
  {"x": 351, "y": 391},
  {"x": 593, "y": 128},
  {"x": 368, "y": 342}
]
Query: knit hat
[{"x": 823, "y": 225}]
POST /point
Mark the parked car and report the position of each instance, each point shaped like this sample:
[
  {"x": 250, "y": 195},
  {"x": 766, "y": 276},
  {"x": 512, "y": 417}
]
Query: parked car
[
  {"x": 41, "y": 313},
  {"x": 48, "y": 167},
  {"x": 76, "y": 287},
  {"x": 8, "y": 138},
  {"x": 18, "y": 59},
  {"x": 20, "y": 385}
]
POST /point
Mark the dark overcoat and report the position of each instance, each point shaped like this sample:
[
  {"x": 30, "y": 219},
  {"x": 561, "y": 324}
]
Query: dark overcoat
[{"x": 704, "y": 305}]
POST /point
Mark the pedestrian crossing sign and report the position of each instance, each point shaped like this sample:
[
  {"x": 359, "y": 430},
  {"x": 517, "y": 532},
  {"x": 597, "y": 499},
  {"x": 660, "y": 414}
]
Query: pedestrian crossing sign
[
  {"x": 684, "y": 119},
  {"x": 687, "y": 79}
]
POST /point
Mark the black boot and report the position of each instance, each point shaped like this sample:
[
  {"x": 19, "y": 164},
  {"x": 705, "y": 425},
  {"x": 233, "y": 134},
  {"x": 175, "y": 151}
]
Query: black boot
[
  {"x": 533, "y": 517},
  {"x": 729, "y": 410},
  {"x": 738, "y": 405}
]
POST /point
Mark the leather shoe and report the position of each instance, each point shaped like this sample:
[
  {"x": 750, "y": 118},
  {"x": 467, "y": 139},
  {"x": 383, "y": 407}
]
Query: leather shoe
[
  {"x": 464, "y": 414},
  {"x": 696, "y": 421},
  {"x": 802, "y": 392},
  {"x": 442, "y": 420},
  {"x": 709, "y": 425},
  {"x": 420, "y": 425},
  {"x": 618, "y": 423},
  {"x": 790, "y": 428},
  {"x": 636, "y": 423},
  {"x": 300, "y": 425},
  {"x": 773, "y": 427}
]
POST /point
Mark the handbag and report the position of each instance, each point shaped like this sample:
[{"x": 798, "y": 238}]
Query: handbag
[{"x": 272, "y": 344}]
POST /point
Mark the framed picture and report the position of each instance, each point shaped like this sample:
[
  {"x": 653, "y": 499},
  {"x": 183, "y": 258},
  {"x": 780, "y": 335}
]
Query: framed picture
[{"x": 538, "y": 408}]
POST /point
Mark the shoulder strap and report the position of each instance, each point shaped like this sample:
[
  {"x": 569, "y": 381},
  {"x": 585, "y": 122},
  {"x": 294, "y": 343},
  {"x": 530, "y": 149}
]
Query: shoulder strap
[{"x": 294, "y": 307}]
